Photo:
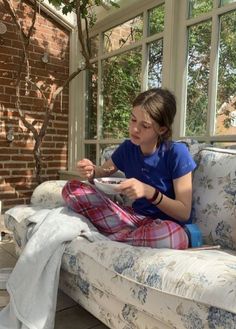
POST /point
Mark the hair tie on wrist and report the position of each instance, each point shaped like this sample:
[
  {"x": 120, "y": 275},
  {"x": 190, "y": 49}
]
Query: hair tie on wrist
[
  {"x": 156, "y": 204},
  {"x": 155, "y": 195}
]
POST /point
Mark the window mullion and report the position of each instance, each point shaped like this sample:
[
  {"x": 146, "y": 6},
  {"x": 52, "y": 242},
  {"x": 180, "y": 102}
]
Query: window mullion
[
  {"x": 76, "y": 115},
  {"x": 145, "y": 61},
  {"x": 169, "y": 58},
  {"x": 181, "y": 69},
  {"x": 99, "y": 95},
  {"x": 213, "y": 81}
]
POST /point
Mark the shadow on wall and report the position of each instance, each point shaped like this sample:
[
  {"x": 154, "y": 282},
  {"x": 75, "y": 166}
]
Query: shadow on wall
[{"x": 48, "y": 54}]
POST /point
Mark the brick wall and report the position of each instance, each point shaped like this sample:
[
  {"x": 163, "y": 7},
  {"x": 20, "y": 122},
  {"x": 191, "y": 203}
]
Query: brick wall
[{"x": 17, "y": 175}]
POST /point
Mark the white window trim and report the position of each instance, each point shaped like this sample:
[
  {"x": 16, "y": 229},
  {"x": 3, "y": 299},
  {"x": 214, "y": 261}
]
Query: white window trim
[
  {"x": 112, "y": 18},
  {"x": 182, "y": 71},
  {"x": 174, "y": 67}
]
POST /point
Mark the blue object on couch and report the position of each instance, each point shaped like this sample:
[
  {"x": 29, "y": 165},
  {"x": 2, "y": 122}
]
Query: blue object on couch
[{"x": 194, "y": 235}]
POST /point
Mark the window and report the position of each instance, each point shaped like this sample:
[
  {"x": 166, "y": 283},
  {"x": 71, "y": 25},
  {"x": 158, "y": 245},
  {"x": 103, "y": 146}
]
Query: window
[
  {"x": 187, "y": 47},
  {"x": 210, "y": 94},
  {"x": 122, "y": 55}
]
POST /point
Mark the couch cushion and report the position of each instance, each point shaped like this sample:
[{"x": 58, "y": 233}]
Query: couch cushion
[
  {"x": 154, "y": 279},
  {"x": 214, "y": 196},
  {"x": 183, "y": 287},
  {"x": 48, "y": 194},
  {"x": 194, "y": 147}
]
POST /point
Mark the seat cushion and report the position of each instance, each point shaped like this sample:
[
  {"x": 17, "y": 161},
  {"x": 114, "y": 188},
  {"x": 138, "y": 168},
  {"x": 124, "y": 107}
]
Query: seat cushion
[
  {"x": 144, "y": 276},
  {"x": 179, "y": 287},
  {"x": 214, "y": 196},
  {"x": 48, "y": 194}
]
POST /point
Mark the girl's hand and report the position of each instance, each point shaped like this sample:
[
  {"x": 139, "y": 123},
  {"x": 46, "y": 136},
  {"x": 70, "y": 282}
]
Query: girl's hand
[
  {"x": 134, "y": 189},
  {"x": 85, "y": 168}
]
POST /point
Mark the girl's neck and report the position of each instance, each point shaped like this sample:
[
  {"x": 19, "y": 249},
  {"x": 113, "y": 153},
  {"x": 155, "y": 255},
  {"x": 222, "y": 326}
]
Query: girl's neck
[{"x": 148, "y": 150}]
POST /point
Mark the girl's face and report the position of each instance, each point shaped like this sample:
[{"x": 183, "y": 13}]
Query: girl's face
[{"x": 143, "y": 130}]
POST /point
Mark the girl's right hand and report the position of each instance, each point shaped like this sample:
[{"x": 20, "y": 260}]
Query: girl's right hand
[{"x": 85, "y": 168}]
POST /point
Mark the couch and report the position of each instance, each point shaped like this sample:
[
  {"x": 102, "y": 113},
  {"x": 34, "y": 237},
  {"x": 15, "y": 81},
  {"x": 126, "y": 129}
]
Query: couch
[{"x": 142, "y": 288}]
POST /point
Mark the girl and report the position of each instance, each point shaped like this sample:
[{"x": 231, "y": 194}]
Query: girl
[{"x": 159, "y": 180}]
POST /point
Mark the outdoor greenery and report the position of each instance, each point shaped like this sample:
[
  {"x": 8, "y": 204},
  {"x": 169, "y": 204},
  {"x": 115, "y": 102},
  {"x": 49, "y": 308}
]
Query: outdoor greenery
[
  {"x": 199, "y": 47},
  {"x": 227, "y": 61},
  {"x": 199, "y": 38},
  {"x": 121, "y": 84},
  {"x": 109, "y": 101},
  {"x": 122, "y": 76}
]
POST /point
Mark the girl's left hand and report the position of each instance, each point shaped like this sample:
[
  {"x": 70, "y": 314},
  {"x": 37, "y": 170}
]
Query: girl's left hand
[{"x": 134, "y": 189}]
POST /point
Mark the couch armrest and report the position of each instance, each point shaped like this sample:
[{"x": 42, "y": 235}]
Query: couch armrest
[{"x": 214, "y": 195}]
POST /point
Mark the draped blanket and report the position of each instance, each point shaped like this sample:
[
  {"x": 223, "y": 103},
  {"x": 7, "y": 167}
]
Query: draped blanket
[{"x": 33, "y": 284}]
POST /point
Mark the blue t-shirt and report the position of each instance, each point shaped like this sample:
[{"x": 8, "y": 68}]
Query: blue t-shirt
[{"x": 170, "y": 161}]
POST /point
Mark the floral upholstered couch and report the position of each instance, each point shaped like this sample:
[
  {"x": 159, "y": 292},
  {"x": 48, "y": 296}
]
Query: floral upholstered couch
[{"x": 142, "y": 288}]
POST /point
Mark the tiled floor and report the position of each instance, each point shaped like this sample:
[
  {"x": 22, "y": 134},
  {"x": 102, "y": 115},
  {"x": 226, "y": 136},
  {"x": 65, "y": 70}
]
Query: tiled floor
[{"x": 69, "y": 315}]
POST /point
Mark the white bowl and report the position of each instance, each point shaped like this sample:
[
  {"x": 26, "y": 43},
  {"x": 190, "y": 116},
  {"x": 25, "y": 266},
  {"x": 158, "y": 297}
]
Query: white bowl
[{"x": 108, "y": 184}]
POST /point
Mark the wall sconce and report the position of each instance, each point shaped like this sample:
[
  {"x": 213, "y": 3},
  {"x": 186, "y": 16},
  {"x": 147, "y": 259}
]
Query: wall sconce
[
  {"x": 10, "y": 134},
  {"x": 3, "y": 30},
  {"x": 45, "y": 58}
]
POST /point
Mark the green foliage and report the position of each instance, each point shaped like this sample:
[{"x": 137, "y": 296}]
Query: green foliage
[
  {"x": 227, "y": 58},
  {"x": 198, "y": 7},
  {"x": 156, "y": 19},
  {"x": 198, "y": 78},
  {"x": 121, "y": 81},
  {"x": 121, "y": 74},
  {"x": 199, "y": 46}
]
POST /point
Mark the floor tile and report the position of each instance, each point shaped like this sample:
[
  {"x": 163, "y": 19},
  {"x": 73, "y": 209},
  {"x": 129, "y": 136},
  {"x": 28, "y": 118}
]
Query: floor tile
[
  {"x": 64, "y": 301},
  {"x": 75, "y": 318},
  {"x": 69, "y": 314},
  {"x": 100, "y": 326},
  {"x": 4, "y": 298},
  {"x": 6, "y": 259},
  {"x": 9, "y": 247}
]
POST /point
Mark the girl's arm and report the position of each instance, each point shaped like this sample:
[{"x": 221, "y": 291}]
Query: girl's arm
[
  {"x": 107, "y": 169},
  {"x": 88, "y": 170},
  {"x": 180, "y": 208}
]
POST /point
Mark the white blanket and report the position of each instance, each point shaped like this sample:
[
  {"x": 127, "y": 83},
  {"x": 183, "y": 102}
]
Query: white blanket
[{"x": 33, "y": 283}]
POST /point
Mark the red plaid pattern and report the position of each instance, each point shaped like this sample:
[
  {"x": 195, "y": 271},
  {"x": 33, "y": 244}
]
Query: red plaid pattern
[{"x": 122, "y": 223}]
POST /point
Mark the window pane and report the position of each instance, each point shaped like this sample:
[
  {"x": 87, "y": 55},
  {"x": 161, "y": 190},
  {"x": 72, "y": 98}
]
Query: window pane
[
  {"x": 124, "y": 34},
  {"x": 199, "y": 41},
  {"x": 225, "y": 2},
  {"x": 155, "y": 64},
  {"x": 94, "y": 44},
  {"x": 226, "y": 94},
  {"x": 198, "y": 7},
  {"x": 156, "y": 20},
  {"x": 121, "y": 83},
  {"x": 90, "y": 152},
  {"x": 91, "y": 108}
]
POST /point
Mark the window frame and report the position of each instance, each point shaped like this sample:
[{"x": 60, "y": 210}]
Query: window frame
[
  {"x": 174, "y": 69},
  {"x": 181, "y": 90}
]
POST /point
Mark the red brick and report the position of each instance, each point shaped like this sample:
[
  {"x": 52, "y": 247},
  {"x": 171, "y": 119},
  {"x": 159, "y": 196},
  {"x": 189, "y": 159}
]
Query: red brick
[
  {"x": 21, "y": 158},
  {"x": 4, "y": 158},
  {"x": 4, "y": 173},
  {"x": 6, "y": 188},
  {"x": 17, "y": 165},
  {"x": 22, "y": 173}
]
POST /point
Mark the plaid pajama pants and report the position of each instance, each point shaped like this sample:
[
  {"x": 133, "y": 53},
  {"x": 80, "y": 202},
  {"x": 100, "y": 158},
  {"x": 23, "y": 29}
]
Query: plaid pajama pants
[{"x": 120, "y": 223}]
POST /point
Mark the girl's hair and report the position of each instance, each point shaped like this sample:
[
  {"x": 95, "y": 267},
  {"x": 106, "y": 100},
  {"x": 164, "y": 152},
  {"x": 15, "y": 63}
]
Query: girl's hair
[{"x": 160, "y": 104}]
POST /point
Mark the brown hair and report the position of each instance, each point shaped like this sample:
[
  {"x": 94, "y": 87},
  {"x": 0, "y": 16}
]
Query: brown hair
[{"x": 160, "y": 104}]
